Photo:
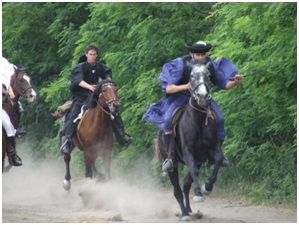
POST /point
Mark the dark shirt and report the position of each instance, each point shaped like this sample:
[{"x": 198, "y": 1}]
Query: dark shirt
[{"x": 90, "y": 74}]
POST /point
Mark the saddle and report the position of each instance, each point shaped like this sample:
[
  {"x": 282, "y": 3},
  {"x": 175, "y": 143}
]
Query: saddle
[
  {"x": 63, "y": 109},
  {"x": 81, "y": 116},
  {"x": 176, "y": 117},
  {"x": 179, "y": 112}
]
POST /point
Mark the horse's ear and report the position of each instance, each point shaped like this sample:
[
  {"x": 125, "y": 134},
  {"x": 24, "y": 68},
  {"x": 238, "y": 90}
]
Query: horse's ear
[
  {"x": 209, "y": 64},
  {"x": 189, "y": 65}
]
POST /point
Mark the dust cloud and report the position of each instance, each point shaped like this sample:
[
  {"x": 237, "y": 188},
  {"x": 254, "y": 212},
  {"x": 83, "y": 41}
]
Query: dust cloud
[{"x": 40, "y": 183}]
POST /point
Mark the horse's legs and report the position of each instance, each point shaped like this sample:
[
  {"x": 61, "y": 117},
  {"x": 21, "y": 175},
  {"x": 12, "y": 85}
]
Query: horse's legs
[
  {"x": 189, "y": 160},
  {"x": 67, "y": 178},
  {"x": 208, "y": 187},
  {"x": 89, "y": 165},
  {"x": 107, "y": 165},
  {"x": 188, "y": 180},
  {"x": 174, "y": 178}
]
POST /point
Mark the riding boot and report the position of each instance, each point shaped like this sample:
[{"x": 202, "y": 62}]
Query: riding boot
[
  {"x": 13, "y": 158},
  {"x": 218, "y": 155},
  {"x": 169, "y": 164},
  {"x": 119, "y": 131},
  {"x": 225, "y": 162},
  {"x": 67, "y": 145}
]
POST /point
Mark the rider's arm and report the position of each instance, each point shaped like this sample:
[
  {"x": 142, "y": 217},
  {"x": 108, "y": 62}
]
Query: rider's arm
[
  {"x": 107, "y": 73},
  {"x": 172, "y": 88},
  {"x": 235, "y": 82},
  {"x": 87, "y": 86}
]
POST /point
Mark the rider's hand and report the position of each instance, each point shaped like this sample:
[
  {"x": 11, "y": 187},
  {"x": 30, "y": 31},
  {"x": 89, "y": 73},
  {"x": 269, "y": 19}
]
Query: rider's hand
[
  {"x": 188, "y": 86},
  {"x": 92, "y": 88},
  {"x": 11, "y": 93},
  {"x": 238, "y": 78}
]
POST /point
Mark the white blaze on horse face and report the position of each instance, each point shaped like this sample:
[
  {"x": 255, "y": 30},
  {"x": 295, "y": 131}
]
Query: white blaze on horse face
[
  {"x": 201, "y": 90},
  {"x": 32, "y": 95}
]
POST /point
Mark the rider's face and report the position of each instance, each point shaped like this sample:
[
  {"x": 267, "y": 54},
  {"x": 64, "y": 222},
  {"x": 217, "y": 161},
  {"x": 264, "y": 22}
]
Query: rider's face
[
  {"x": 91, "y": 56},
  {"x": 199, "y": 56}
]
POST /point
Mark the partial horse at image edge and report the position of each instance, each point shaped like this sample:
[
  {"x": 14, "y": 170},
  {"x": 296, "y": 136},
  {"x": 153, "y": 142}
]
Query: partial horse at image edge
[{"x": 21, "y": 85}]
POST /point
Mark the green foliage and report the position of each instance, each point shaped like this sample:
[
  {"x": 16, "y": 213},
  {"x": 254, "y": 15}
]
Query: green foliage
[
  {"x": 261, "y": 114},
  {"x": 135, "y": 39}
]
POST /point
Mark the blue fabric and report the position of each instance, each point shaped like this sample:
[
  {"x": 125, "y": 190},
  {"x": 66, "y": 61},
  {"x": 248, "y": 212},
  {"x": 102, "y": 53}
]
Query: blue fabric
[
  {"x": 224, "y": 69},
  {"x": 171, "y": 72},
  {"x": 160, "y": 113},
  {"x": 221, "y": 132}
]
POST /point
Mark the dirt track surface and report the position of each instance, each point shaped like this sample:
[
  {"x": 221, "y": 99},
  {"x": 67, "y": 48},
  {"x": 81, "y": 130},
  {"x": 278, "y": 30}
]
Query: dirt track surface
[{"x": 34, "y": 194}]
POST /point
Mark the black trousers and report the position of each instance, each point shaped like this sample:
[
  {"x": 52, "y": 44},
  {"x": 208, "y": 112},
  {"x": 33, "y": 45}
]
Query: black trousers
[{"x": 69, "y": 119}]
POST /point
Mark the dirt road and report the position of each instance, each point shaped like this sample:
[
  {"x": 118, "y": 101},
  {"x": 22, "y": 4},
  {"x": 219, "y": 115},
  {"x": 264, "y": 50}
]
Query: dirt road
[{"x": 34, "y": 193}]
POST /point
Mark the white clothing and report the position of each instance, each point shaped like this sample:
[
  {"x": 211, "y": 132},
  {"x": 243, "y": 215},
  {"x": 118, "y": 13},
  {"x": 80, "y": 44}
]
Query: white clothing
[
  {"x": 7, "y": 70},
  {"x": 7, "y": 125}
]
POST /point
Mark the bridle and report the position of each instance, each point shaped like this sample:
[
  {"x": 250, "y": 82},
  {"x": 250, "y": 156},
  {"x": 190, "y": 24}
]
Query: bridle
[
  {"x": 192, "y": 90},
  {"x": 22, "y": 92},
  {"x": 193, "y": 94},
  {"x": 201, "y": 108},
  {"x": 109, "y": 102}
]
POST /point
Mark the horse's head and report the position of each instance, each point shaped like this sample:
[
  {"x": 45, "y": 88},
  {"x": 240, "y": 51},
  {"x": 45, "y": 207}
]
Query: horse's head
[
  {"x": 199, "y": 82},
  {"x": 107, "y": 96},
  {"x": 21, "y": 85}
]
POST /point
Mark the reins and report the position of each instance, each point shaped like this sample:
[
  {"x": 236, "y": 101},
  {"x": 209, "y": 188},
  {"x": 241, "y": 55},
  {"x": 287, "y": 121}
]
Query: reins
[
  {"x": 107, "y": 102},
  {"x": 206, "y": 110},
  {"x": 105, "y": 111}
]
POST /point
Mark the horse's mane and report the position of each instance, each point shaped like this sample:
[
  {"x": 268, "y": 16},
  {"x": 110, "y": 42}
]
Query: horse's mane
[
  {"x": 91, "y": 101},
  {"x": 21, "y": 70}
]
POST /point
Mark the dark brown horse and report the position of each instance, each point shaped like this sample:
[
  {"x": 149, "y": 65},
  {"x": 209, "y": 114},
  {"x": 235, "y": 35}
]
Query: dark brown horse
[
  {"x": 21, "y": 85},
  {"x": 94, "y": 133},
  {"x": 195, "y": 141}
]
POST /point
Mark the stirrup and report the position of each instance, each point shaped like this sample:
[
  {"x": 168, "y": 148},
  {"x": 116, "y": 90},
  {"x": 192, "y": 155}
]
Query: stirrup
[
  {"x": 167, "y": 165},
  {"x": 64, "y": 146},
  {"x": 225, "y": 163}
]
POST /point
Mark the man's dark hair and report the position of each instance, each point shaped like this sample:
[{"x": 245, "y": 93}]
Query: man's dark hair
[{"x": 91, "y": 47}]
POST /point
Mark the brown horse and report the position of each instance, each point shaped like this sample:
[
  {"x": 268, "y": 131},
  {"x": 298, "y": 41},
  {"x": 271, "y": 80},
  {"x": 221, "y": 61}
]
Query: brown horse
[
  {"x": 21, "y": 85},
  {"x": 94, "y": 133}
]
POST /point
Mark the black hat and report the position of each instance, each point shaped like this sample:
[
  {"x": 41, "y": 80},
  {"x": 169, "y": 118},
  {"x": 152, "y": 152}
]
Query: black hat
[
  {"x": 82, "y": 58},
  {"x": 199, "y": 47}
]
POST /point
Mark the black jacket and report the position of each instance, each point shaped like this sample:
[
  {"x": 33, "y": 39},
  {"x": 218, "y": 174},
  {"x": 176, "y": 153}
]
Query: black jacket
[{"x": 90, "y": 74}]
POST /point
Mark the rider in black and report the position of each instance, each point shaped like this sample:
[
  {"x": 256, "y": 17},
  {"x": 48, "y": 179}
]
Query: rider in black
[{"x": 85, "y": 75}]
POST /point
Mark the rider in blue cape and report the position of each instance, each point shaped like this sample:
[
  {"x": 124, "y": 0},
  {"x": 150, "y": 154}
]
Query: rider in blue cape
[{"x": 175, "y": 82}]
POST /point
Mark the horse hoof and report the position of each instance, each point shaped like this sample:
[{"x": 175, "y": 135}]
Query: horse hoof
[
  {"x": 66, "y": 185},
  {"x": 198, "y": 199},
  {"x": 196, "y": 215},
  {"x": 186, "y": 218},
  {"x": 204, "y": 190},
  {"x": 7, "y": 168}
]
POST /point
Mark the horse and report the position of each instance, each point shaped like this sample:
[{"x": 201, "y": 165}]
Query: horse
[
  {"x": 21, "y": 86},
  {"x": 94, "y": 132},
  {"x": 195, "y": 139}
]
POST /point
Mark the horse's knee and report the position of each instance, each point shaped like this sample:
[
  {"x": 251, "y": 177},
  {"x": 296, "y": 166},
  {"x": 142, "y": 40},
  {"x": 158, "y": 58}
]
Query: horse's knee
[
  {"x": 67, "y": 157},
  {"x": 187, "y": 184},
  {"x": 88, "y": 173},
  {"x": 218, "y": 156}
]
